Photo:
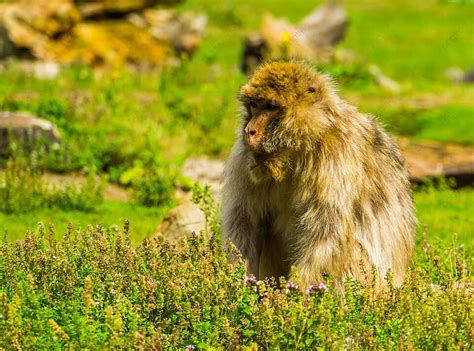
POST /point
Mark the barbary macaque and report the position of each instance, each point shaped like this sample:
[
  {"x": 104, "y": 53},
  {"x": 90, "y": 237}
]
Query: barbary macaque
[{"x": 313, "y": 183}]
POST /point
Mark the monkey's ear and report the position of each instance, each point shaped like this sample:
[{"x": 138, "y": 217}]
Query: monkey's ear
[{"x": 314, "y": 87}]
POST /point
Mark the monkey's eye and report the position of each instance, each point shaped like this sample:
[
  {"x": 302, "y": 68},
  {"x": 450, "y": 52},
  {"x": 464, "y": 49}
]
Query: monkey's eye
[
  {"x": 272, "y": 107},
  {"x": 253, "y": 104}
]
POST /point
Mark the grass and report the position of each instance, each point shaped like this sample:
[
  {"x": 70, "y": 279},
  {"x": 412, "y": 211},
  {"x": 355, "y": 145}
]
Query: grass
[
  {"x": 110, "y": 214},
  {"x": 445, "y": 212}
]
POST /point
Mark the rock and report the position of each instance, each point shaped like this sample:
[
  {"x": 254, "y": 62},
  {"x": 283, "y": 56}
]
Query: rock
[
  {"x": 205, "y": 171},
  {"x": 46, "y": 70},
  {"x": 33, "y": 26},
  {"x": 6, "y": 46},
  {"x": 431, "y": 160},
  {"x": 52, "y": 30},
  {"x": 383, "y": 81},
  {"x": 326, "y": 26},
  {"x": 113, "y": 43},
  {"x": 254, "y": 53},
  {"x": 469, "y": 76},
  {"x": 457, "y": 75},
  {"x": 114, "y": 8},
  {"x": 182, "y": 220},
  {"x": 26, "y": 129},
  {"x": 187, "y": 218},
  {"x": 313, "y": 39}
]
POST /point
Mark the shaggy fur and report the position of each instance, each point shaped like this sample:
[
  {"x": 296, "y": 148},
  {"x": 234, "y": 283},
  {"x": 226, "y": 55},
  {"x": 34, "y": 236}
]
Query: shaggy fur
[{"x": 328, "y": 191}]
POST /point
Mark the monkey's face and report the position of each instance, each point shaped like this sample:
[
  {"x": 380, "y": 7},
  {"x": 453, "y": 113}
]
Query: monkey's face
[
  {"x": 282, "y": 102},
  {"x": 262, "y": 119}
]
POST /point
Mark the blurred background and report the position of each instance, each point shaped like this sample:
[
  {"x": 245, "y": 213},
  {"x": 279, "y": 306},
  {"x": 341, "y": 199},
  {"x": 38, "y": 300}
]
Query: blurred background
[{"x": 110, "y": 110}]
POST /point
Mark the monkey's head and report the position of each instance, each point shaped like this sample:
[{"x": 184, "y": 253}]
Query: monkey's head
[{"x": 287, "y": 105}]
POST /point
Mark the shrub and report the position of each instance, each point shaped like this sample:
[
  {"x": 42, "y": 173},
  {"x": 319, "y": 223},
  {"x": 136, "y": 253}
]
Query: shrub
[
  {"x": 23, "y": 190},
  {"x": 152, "y": 185},
  {"x": 94, "y": 290}
]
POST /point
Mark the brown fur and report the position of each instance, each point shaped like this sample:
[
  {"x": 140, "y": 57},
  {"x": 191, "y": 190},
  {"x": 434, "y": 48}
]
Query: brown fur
[{"x": 322, "y": 187}]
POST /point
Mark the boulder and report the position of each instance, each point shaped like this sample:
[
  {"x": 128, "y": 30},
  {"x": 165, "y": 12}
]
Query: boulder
[
  {"x": 432, "y": 160},
  {"x": 114, "y": 8},
  {"x": 182, "y": 220},
  {"x": 26, "y": 129},
  {"x": 34, "y": 26},
  {"x": 187, "y": 218},
  {"x": 54, "y": 31},
  {"x": 314, "y": 38}
]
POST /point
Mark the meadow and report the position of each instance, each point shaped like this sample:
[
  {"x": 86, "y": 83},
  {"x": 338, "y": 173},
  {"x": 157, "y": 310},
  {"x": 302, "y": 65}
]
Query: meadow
[{"x": 72, "y": 274}]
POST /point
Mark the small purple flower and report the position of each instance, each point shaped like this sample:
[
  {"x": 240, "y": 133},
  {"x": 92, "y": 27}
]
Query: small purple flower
[
  {"x": 292, "y": 285},
  {"x": 190, "y": 347},
  {"x": 113, "y": 291},
  {"x": 250, "y": 280},
  {"x": 316, "y": 288},
  {"x": 322, "y": 287}
]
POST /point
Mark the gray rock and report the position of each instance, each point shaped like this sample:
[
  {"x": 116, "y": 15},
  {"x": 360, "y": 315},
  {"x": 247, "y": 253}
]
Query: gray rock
[
  {"x": 182, "y": 220},
  {"x": 26, "y": 129},
  {"x": 187, "y": 218}
]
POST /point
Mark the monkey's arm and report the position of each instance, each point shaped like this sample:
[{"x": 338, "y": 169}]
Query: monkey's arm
[
  {"x": 240, "y": 225},
  {"x": 246, "y": 236}
]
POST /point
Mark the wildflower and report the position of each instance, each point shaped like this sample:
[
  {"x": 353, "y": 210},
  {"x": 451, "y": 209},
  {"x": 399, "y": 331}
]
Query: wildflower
[
  {"x": 285, "y": 37},
  {"x": 322, "y": 288},
  {"x": 292, "y": 285},
  {"x": 190, "y": 347},
  {"x": 113, "y": 291},
  {"x": 250, "y": 280}
]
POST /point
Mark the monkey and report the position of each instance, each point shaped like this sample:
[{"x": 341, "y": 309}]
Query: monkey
[{"x": 314, "y": 184}]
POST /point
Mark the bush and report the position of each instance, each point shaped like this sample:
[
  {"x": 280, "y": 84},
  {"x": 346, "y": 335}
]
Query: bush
[
  {"x": 23, "y": 190},
  {"x": 152, "y": 185},
  {"x": 94, "y": 290}
]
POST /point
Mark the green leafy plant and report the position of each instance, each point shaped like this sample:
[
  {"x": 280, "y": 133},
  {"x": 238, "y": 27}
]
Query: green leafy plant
[
  {"x": 22, "y": 189},
  {"x": 93, "y": 289},
  {"x": 153, "y": 186}
]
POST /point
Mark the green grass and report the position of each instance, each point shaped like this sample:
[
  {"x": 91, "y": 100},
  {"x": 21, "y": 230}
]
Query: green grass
[
  {"x": 143, "y": 220},
  {"x": 460, "y": 120},
  {"x": 443, "y": 213}
]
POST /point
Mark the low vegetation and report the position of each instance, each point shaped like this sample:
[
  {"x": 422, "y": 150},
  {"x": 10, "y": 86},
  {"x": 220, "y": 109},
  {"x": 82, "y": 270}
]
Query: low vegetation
[
  {"x": 93, "y": 289},
  {"x": 22, "y": 190}
]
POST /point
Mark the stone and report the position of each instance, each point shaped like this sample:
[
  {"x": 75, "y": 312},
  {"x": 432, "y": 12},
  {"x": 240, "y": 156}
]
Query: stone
[
  {"x": 431, "y": 160},
  {"x": 114, "y": 8},
  {"x": 182, "y": 220},
  {"x": 313, "y": 39},
  {"x": 383, "y": 81},
  {"x": 187, "y": 218},
  {"x": 54, "y": 31},
  {"x": 457, "y": 75},
  {"x": 25, "y": 129},
  {"x": 34, "y": 26}
]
